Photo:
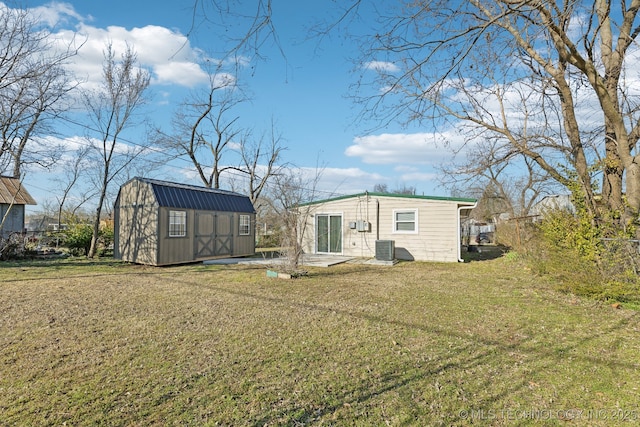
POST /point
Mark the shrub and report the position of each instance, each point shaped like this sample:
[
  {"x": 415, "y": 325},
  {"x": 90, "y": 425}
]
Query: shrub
[
  {"x": 105, "y": 240},
  {"x": 269, "y": 240},
  {"x": 598, "y": 261},
  {"x": 512, "y": 256},
  {"x": 12, "y": 247},
  {"x": 576, "y": 233},
  {"x": 78, "y": 238},
  {"x": 516, "y": 234}
]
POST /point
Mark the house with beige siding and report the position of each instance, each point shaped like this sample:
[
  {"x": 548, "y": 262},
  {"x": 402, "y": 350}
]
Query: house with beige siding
[
  {"x": 162, "y": 223},
  {"x": 421, "y": 228}
]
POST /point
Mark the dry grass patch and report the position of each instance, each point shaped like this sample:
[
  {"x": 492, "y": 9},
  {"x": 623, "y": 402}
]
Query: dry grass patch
[{"x": 418, "y": 343}]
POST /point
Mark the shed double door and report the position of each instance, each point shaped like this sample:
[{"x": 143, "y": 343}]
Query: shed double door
[{"x": 213, "y": 234}]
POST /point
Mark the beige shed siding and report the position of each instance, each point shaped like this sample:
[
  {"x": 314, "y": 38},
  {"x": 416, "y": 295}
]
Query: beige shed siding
[
  {"x": 175, "y": 250},
  {"x": 244, "y": 245},
  {"x": 137, "y": 241},
  {"x": 436, "y": 239},
  {"x": 142, "y": 214}
]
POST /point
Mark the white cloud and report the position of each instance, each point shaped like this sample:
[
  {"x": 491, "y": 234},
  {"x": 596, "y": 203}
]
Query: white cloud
[
  {"x": 333, "y": 181},
  {"x": 341, "y": 181},
  {"x": 414, "y": 177},
  {"x": 406, "y": 169},
  {"x": 55, "y": 13},
  {"x": 412, "y": 174},
  {"x": 234, "y": 146},
  {"x": 186, "y": 74},
  {"x": 70, "y": 144},
  {"x": 166, "y": 53},
  {"x": 338, "y": 181},
  {"x": 381, "y": 66},
  {"x": 74, "y": 143},
  {"x": 404, "y": 148}
]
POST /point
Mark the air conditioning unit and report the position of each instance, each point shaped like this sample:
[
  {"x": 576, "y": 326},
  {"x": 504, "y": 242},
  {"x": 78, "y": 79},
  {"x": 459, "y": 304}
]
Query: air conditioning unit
[{"x": 385, "y": 250}]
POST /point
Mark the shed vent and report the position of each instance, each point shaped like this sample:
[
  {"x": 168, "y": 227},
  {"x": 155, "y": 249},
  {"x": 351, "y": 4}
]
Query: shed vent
[{"x": 385, "y": 250}]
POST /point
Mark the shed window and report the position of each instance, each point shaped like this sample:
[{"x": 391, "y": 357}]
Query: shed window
[
  {"x": 245, "y": 225},
  {"x": 177, "y": 223},
  {"x": 405, "y": 221}
]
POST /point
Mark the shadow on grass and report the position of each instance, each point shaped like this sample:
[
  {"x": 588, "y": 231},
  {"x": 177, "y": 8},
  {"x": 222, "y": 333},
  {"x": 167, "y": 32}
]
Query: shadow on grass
[
  {"x": 473, "y": 351},
  {"x": 466, "y": 354},
  {"x": 62, "y": 262},
  {"x": 483, "y": 252},
  {"x": 79, "y": 267}
]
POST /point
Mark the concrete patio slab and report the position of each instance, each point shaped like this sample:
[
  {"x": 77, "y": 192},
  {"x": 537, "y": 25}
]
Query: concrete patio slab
[{"x": 311, "y": 260}]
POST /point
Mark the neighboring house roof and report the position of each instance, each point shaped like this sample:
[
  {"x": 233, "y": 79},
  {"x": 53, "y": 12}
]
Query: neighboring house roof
[
  {"x": 405, "y": 196},
  {"x": 12, "y": 192},
  {"x": 183, "y": 196}
]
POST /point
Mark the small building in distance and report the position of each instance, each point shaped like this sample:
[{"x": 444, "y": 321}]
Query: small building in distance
[
  {"x": 163, "y": 223},
  {"x": 13, "y": 199},
  {"x": 552, "y": 203}
]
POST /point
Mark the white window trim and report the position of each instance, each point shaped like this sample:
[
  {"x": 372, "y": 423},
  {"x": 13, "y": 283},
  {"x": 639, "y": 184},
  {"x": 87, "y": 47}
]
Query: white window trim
[
  {"x": 184, "y": 231},
  {"x": 415, "y": 220},
  {"x": 241, "y": 225},
  {"x": 315, "y": 231}
]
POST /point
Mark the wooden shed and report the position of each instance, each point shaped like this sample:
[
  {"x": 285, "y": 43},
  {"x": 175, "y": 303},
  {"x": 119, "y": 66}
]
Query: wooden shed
[
  {"x": 162, "y": 223},
  {"x": 13, "y": 199},
  {"x": 408, "y": 227}
]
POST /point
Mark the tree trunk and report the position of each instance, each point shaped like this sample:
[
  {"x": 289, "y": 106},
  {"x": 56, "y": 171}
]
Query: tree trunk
[
  {"x": 96, "y": 224},
  {"x": 612, "y": 176},
  {"x": 633, "y": 189}
]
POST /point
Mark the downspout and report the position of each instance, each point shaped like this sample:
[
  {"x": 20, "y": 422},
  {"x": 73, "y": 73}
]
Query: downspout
[
  {"x": 460, "y": 208},
  {"x": 377, "y": 219}
]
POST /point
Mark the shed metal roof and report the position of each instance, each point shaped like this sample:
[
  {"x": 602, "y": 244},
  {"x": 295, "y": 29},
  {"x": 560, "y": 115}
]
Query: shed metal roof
[
  {"x": 12, "y": 192},
  {"x": 183, "y": 196}
]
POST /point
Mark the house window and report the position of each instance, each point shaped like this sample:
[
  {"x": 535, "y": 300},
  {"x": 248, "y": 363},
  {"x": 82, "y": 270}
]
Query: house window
[
  {"x": 177, "y": 223},
  {"x": 405, "y": 221},
  {"x": 245, "y": 225}
]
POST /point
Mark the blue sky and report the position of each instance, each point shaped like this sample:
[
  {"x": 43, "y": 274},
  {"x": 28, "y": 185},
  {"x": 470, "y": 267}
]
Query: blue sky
[{"x": 305, "y": 91}]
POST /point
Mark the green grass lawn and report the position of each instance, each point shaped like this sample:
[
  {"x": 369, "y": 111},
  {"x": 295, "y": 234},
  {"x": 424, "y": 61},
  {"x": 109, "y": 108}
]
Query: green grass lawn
[{"x": 485, "y": 342}]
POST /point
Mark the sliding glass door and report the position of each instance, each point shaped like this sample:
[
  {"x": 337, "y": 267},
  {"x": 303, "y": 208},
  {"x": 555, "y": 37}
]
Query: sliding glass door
[{"x": 329, "y": 233}]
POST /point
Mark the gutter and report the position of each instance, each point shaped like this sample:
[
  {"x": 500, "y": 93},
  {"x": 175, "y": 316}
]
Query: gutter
[{"x": 460, "y": 208}]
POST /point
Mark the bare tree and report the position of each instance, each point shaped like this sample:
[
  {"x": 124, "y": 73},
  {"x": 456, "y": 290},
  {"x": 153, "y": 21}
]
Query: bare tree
[
  {"x": 206, "y": 133},
  {"x": 564, "y": 66},
  {"x": 33, "y": 86},
  {"x": 400, "y": 189},
  {"x": 503, "y": 183},
  {"x": 261, "y": 162},
  {"x": 380, "y": 188},
  {"x": 202, "y": 130},
  {"x": 111, "y": 110},
  {"x": 291, "y": 193},
  {"x": 74, "y": 168},
  {"x": 243, "y": 27}
]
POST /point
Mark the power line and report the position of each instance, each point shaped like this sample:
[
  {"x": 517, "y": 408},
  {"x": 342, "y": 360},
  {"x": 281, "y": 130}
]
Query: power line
[{"x": 147, "y": 147}]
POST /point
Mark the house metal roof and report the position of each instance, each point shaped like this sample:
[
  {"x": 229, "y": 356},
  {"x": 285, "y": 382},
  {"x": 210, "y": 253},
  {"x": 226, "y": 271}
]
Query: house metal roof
[
  {"x": 459, "y": 200},
  {"x": 12, "y": 192},
  {"x": 183, "y": 196}
]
